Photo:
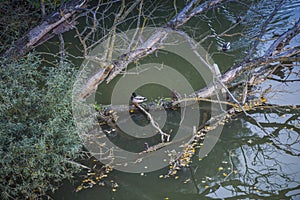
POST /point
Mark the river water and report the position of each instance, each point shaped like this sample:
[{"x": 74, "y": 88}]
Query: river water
[{"x": 245, "y": 163}]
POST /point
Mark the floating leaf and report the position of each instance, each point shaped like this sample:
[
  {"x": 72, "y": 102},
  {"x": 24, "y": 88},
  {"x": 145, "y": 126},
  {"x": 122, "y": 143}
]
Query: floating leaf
[
  {"x": 187, "y": 180},
  {"x": 79, "y": 188},
  {"x": 101, "y": 183},
  {"x": 263, "y": 99}
]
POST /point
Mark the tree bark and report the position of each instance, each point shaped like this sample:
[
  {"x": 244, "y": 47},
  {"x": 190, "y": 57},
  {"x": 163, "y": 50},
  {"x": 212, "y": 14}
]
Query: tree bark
[
  {"x": 149, "y": 46},
  {"x": 56, "y": 23},
  {"x": 155, "y": 41}
]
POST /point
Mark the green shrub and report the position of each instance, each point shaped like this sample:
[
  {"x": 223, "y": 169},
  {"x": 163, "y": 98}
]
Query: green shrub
[{"x": 37, "y": 134}]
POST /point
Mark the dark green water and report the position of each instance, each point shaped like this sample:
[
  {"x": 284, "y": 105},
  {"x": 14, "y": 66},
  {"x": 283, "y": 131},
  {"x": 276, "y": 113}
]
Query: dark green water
[{"x": 245, "y": 163}]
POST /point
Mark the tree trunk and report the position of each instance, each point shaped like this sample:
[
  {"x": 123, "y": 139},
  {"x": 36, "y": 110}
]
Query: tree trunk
[{"x": 58, "y": 22}]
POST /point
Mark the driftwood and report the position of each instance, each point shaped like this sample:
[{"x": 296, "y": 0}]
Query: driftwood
[{"x": 58, "y": 22}]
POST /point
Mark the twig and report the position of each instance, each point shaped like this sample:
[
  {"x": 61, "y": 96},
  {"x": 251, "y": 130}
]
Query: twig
[
  {"x": 77, "y": 164},
  {"x": 149, "y": 46},
  {"x": 203, "y": 99},
  {"x": 263, "y": 30},
  {"x": 155, "y": 124},
  {"x": 62, "y": 50}
]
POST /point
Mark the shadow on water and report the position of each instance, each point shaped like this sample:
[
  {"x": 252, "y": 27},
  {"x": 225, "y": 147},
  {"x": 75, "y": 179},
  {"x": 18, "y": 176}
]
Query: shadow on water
[{"x": 246, "y": 162}]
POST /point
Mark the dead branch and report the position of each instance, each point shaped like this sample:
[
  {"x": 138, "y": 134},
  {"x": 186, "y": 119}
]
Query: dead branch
[
  {"x": 263, "y": 30},
  {"x": 236, "y": 70},
  {"x": 61, "y": 50},
  {"x": 49, "y": 27},
  {"x": 190, "y": 11},
  {"x": 152, "y": 44},
  {"x": 155, "y": 125},
  {"x": 183, "y": 159}
]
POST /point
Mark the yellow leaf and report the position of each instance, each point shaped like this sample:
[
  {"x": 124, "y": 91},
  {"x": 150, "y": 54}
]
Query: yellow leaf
[
  {"x": 78, "y": 188},
  {"x": 263, "y": 99}
]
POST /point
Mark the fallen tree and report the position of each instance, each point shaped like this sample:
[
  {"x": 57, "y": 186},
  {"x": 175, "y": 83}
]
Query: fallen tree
[
  {"x": 109, "y": 68},
  {"x": 256, "y": 69},
  {"x": 276, "y": 53},
  {"x": 57, "y": 23},
  {"x": 273, "y": 54}
]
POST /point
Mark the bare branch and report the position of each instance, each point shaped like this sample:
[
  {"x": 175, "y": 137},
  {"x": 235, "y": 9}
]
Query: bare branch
[{"x": 155, "y": 125}]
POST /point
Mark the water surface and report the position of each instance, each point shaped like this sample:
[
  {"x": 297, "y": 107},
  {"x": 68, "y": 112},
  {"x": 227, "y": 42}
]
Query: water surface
[{"x": 246, "y": 163}]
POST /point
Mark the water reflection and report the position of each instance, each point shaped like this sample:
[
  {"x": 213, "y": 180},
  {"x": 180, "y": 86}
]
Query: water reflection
[
  {"x": 259, "y": 165},
  {"x": 247, "y": 162}
]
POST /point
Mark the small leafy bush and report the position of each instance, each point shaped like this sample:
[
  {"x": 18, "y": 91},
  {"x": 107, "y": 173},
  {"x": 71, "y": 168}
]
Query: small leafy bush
[{"x": 37, "y": 134}]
